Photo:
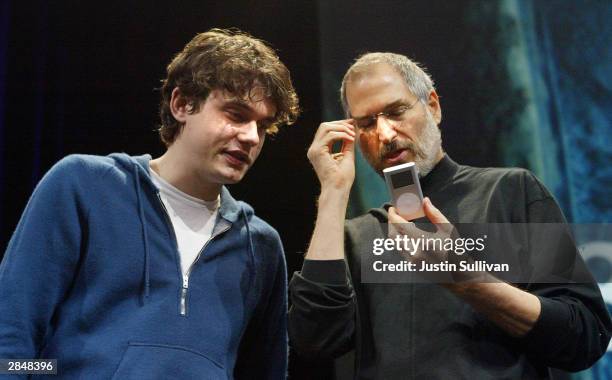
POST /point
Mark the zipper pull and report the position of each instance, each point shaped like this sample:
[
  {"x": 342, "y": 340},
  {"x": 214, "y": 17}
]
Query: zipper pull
[{"x": 183, "y": 301}]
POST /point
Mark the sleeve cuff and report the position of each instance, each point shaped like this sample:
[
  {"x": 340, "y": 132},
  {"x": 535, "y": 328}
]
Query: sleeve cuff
[
  {"x": 552, "y": 325},
  {"x": 325, "y": 271}
]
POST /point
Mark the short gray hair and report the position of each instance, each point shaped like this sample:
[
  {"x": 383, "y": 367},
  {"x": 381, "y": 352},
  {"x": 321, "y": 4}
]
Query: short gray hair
[{"x": 418, "y": 81}]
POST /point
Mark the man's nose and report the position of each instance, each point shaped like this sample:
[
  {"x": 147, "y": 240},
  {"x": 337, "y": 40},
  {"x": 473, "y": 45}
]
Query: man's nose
[
  {"x": 385, "y": 129},
  {"x": 249, "y": 133}
]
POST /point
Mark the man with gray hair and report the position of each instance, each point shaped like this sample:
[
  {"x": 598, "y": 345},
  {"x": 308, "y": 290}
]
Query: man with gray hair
[{"x": 486, "y": 329}]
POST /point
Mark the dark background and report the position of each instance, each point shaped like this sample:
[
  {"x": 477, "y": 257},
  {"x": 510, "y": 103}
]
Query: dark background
[{"x": 81, "y": 77}]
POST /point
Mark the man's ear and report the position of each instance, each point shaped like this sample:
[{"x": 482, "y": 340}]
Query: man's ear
[
  {"x": 434, "y": 106},
  {"x": 179, "y": 106}
]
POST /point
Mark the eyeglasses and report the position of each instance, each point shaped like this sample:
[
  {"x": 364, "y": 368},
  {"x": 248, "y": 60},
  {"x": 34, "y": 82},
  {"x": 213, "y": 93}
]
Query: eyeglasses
[{"x": 394, "y": 114}]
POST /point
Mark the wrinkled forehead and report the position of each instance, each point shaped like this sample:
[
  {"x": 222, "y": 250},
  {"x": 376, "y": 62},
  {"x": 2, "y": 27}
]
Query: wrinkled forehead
[{"x": 370, "y": 89}]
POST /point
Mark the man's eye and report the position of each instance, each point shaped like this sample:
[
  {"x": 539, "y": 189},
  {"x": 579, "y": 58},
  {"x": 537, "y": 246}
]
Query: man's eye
[
  {"x": 397, "y": 112},
  {"x": 364, "y": 124},
  {"x": 236, "y": 117}
]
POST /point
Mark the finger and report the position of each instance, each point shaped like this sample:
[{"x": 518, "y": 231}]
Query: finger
[
  {"x": 331, "y": 137},
  {"x": 341, "y": 127},
  {"x": 401, "y": 225},
  {"x": 348, "y": 148},
  {"x": 394, "y": 217},
  {"x": 394, "y": 223},
  {"x": 322, "y": 146},
  {"x": 332, "y": 124},
  {"x": 433, "y": 214},
  {"x": 335, "y": 126}
]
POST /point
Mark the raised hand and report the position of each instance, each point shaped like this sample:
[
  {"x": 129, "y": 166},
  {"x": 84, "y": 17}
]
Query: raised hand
[{"x": 334, "y": 170}]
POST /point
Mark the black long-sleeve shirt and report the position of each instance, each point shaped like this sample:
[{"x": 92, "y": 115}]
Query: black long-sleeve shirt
[{"x": 416, "y": 330}]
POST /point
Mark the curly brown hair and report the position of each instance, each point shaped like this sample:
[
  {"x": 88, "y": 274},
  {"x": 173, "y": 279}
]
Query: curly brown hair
[{"x": 232, "y": 61}]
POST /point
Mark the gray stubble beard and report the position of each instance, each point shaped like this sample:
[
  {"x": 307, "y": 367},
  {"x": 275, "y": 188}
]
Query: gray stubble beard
[{"x": 429, "y": 144}]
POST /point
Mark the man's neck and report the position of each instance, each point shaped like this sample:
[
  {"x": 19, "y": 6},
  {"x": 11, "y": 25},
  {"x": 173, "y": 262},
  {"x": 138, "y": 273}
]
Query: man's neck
[
  {"x": 439, "y": 156},
  {"x": 170, "y": 166}
]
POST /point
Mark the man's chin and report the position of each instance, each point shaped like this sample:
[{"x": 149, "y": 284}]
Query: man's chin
[
  {"x": 232, "y": 176},
  {"x": 231, "y": 180}
]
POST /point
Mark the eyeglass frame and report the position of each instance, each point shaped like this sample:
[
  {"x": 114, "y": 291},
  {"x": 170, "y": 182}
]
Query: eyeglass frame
[{"x": 374, "y": 117}]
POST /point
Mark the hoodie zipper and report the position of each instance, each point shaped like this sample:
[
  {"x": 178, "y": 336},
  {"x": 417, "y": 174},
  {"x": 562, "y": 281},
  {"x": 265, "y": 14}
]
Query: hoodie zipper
[
  {"x": 185, "y": 278},
  {"x": 185, "y": 288}
]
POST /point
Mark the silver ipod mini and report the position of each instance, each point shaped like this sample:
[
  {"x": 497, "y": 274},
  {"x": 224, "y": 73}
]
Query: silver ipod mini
[{"x": 405, "y": 189}]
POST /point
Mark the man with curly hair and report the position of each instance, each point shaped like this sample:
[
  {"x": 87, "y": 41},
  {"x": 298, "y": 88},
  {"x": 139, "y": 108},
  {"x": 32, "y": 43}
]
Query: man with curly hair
[{"x": 133, "y": 267}]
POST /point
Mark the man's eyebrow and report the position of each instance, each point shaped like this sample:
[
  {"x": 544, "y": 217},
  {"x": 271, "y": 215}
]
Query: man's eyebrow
[
  {"x": 396, "y": 104},
  {"x": 238, "y": 103}
]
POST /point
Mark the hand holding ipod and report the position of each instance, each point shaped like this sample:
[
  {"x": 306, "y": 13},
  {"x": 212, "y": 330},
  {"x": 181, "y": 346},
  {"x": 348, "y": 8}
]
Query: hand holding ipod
[{"x": 428, "y": 254}]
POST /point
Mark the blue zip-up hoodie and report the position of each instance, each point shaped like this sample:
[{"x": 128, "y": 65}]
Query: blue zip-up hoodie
[{"x": 92, "y": 278}]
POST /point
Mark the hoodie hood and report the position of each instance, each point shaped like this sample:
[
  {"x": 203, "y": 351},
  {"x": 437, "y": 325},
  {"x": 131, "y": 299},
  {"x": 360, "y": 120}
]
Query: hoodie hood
[
  {"x": 230, "y": 212},
  {"x": 230, "y": 209}
]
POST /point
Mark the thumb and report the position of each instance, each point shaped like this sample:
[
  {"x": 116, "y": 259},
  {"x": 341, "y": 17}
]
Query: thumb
[
  {"x": 394, "y": 217},
  {"x": 348, "y": 147},
  {"x": 433, "y": 214},
  {"x": 400, "y": 226}
]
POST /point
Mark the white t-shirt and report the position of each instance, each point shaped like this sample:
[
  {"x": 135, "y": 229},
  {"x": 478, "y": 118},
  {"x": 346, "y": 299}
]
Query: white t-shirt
[{"x": 193, "y": 219}]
